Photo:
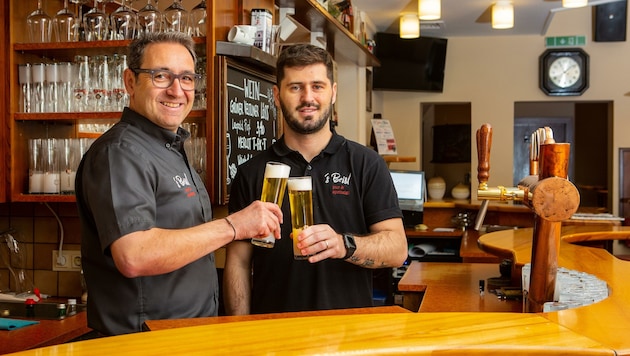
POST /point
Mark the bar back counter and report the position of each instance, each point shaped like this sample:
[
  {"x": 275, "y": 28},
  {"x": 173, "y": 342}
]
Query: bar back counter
[{"x": 597, "y": 329}]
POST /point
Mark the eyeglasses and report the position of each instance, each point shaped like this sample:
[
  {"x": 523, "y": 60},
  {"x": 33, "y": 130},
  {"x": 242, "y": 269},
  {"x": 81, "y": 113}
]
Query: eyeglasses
[{"x": 163, "y": 79}]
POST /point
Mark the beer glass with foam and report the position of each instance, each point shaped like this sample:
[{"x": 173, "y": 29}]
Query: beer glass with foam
[
  {"x": 301, "y": 201},
  {"x": 274, "y": 185}
]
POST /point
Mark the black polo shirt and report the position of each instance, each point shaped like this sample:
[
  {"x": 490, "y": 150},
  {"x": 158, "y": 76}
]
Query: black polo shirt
[
  {"x": 352, "y": 189},
  {"x": 135, "y": 177}
]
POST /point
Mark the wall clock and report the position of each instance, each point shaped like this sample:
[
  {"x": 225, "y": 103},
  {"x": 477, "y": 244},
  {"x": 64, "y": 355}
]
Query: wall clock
[{"x": 564, "y": 71}]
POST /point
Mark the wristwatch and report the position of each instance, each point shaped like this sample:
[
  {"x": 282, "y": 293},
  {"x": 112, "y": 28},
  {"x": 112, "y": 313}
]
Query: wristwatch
[{"x": 350, "y": 245}]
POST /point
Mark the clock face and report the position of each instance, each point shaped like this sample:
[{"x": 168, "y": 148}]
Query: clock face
[{"x": 564, "y": 72}]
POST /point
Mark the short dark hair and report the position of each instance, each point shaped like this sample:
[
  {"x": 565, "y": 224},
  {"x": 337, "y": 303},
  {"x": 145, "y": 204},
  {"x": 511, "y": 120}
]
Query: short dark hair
[
  {"x": 300, "y": 55},
  {"x": 137, "y": 47}
]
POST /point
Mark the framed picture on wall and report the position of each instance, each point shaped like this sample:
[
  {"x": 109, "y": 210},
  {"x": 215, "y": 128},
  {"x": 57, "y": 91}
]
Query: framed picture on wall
[{"x": 368, "y": 90}]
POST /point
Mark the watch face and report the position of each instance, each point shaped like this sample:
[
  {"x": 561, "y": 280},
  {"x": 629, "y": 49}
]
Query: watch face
[{"x": 564, "y": 71}]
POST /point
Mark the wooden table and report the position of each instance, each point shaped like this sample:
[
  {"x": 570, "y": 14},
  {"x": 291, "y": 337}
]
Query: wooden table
[
  {"x": 45, "y": 333},
  {"x": 451, "y": 287}
]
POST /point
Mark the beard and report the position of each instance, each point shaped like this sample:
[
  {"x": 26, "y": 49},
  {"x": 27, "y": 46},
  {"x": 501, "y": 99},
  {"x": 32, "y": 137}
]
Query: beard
[{"x": 311, "y": 124}]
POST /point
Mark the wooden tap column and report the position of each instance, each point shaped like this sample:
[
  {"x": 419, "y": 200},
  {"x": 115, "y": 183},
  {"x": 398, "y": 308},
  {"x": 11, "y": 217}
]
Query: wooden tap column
[{"x": 554, "y": 199}]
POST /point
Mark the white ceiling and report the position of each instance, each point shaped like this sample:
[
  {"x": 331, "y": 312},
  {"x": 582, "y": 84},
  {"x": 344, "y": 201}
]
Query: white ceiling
[{"x": 467, "y": 17}]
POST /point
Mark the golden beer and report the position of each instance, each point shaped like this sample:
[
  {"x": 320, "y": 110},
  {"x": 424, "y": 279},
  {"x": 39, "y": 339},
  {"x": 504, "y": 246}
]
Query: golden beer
[
  {"x": 301, "y": 201},
  {"x": 274, "y": 185},
  {"x": 273, "y": 190}
]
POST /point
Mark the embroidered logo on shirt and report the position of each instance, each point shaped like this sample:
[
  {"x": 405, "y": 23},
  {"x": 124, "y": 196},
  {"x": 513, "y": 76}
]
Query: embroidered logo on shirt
[
  {"x": 183, "y": 182},
  {"x": 339, "y": 183}
]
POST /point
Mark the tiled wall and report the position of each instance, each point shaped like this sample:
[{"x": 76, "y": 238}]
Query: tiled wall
[{"x": 37, "y": 230}]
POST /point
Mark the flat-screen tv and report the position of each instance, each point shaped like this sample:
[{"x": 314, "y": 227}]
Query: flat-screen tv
[
  {"x": 411, "y": 189},
  {"x": 409, "y": 64}
]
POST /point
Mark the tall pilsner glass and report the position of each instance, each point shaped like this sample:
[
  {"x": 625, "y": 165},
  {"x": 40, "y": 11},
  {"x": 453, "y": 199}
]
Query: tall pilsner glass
[
  {"x": 274, "y": 185},
  {"x": 301, "y": 200}
]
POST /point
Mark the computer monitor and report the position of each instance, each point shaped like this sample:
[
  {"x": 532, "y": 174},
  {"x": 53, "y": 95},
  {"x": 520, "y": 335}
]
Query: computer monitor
[{"x": 411, "y": 189}]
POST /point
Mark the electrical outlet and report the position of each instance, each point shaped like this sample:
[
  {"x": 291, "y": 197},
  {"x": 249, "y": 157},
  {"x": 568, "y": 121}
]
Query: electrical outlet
[{"x": 68, "y": 261}]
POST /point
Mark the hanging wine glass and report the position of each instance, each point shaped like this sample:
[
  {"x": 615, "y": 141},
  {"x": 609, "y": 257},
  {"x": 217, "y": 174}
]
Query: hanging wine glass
[
  {"x": 95, "y": 23},
  {"x": 198, "y": 18},
  {"x": 65, "y": 25},
  {"x": 176, "y": 17},
  {"x": 39, "y": 25},
  {"x": 123, "y": 22},
  {"x": 150, "y": 19},
  {"x": 78, "y": 23}
]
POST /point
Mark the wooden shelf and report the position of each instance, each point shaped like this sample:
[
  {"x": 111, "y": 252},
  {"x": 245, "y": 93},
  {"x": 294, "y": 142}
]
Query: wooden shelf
[
  {"x": 340, "y": 42},
  {"x": 41, "y": 198},
  {"x": 433, "y": 234},
  {"x": 65, "y": 116},
  {"x": 62, "y": 49}
]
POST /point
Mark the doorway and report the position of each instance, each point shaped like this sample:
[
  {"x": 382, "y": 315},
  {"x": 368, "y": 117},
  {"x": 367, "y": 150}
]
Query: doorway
[
  {"x": 587, "y": 126},
  {"x": 562, "y": 128},
  {"x": 435, "y": 117}
]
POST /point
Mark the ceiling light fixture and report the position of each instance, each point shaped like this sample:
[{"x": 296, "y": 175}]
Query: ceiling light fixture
[
  {"x": 409, "y": 26},
  {"x": 429, "y": 9},
  {"x": 574, "y": 3},
  {"x": 502, "y": 14}
]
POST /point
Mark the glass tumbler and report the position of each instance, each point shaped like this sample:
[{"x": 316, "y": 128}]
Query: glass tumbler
[
  {"x": 274, "y": 186},
  {"x": 26, "y": 81},
  {"x": 301, "y": 201}
]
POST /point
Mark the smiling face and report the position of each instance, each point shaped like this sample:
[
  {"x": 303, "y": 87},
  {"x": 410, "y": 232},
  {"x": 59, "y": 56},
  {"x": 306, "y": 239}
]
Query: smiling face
[
  {"x": 167, "y": 107},
  {"x": 306, "y": 97}
]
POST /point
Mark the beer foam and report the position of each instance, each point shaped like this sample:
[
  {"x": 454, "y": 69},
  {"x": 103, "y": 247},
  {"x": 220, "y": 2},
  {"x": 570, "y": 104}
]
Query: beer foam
[
  {"x": 277, "y": 171},
  {"x": 300, "y": 184}
]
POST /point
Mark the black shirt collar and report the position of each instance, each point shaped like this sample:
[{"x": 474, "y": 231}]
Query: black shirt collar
[
  {"x": 336, "y": 141},
  {"x": 171, "y": 139}
]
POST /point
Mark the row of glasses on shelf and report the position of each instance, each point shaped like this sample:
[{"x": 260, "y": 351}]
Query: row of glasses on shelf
[
  {"x": 53, "y": 162},
  {"x": 90, "y": 83},
  {"x": 87, "y": 84},
  {"x": 124, "y": 23}
]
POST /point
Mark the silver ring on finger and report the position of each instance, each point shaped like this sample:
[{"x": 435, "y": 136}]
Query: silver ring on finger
[{"x": 326, "y": 242}]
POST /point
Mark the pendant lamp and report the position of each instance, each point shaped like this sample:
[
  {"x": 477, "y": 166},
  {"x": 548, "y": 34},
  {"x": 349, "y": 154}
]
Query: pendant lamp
[
  {"x": 409, "y": 26},
  {"x": 429, "y": 9},
  {"x": 502, "y": 14}
]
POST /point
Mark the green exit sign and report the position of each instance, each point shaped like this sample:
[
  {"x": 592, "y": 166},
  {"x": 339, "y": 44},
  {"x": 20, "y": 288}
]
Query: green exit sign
[{"x": 564, "y": 41}]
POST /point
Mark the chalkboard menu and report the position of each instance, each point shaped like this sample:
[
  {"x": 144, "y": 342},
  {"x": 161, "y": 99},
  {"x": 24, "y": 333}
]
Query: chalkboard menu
[{"x": 248, "y": 118}]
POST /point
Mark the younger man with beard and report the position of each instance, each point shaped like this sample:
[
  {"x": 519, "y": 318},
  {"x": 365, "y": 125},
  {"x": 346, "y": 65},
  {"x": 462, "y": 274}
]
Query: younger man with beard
[{"x": 358, "y": 224}]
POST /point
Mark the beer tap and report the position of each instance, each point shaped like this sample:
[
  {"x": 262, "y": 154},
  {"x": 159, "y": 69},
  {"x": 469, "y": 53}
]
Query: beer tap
[
  {"x": 485, "y": 193},
  {"x": 551, "y": 196}
]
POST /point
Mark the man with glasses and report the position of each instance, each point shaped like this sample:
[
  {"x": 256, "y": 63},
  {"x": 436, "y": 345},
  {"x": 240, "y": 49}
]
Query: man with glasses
[{"x": 148, "y": 238}]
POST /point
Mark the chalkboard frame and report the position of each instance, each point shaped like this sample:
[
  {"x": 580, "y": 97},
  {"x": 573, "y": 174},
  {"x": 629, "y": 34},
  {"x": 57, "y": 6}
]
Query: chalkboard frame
[{"x": 224, "y": 65}]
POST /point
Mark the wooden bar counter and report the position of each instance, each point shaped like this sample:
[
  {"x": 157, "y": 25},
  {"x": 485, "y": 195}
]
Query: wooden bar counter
[
  {"x": 452, "y": 287},
  {"x": 597, "y": 329}
]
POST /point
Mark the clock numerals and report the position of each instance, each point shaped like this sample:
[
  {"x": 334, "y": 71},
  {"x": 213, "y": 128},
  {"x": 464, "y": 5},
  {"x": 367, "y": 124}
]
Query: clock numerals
[{"x": 564, "y": 72}]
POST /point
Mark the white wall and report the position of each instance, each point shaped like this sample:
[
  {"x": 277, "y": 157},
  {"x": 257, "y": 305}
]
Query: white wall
[{"x": 492, "y": 73}]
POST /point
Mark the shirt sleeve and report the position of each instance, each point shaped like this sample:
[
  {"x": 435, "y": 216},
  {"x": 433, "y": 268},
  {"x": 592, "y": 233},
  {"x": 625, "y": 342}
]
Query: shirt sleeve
[{"x": 121, "y": 191}]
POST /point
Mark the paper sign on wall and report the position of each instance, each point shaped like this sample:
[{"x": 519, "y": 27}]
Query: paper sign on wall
[{"x": 384, "y": 135}]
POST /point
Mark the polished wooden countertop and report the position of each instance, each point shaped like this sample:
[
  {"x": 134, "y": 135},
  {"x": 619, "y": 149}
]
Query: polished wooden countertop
[
  {"x": 153, "y": 325},
  {"x": 608, "y": 321},
  {"x": 367, "y": 334},
  {"x": 45, "y": 333},
  {"x": 597, "y": 329},
  {"x": 454, "y": 287}
]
